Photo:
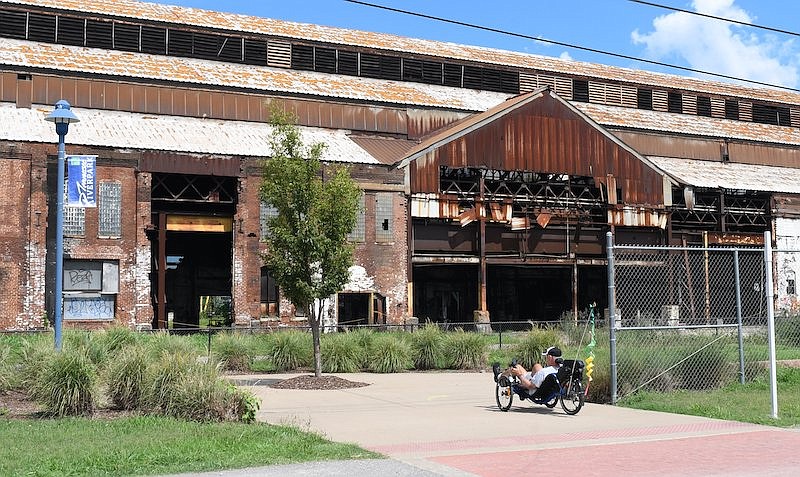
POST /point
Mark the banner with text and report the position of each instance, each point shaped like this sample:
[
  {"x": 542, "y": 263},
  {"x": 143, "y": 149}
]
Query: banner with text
[{"x": 81, "y": 183}]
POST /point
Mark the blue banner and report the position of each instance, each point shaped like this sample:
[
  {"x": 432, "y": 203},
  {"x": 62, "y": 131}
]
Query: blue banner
[{"x": 81, "y": 183}]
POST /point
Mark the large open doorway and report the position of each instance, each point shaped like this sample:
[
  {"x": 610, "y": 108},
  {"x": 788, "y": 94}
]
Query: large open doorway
[
  {"x": 192, "y": 250},
  {"x": 445, "y": 293}
]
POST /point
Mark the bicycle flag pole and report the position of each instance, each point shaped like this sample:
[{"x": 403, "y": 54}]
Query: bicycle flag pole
[{"x": 589, "y": 350}]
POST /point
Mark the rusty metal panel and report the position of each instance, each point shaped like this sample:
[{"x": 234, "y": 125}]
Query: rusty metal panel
[
  {"x": 8, "y": 87},
  {"x": 97, "y": 94},
  {"x": 126, "y": 97},
  {"x": 652, "y": 144},
  {"x": 422, "y": 122},
  {"x": 179, "y": 102},
  {"x": 68, "y": 89},
  {"x": 83, "y": 92},
  {"x": 385, "y": 150},
  {"x": 138, "y": 99},
  {"x": 205, "y": 105},
  {"x": 165, "y": 101},
  {"x": 228, "y": 106},
  {"x": 243, "y": 108},
  {"x": 39, "y": 93},
  {"x": 168, "y": 162},
  {"x": 764, "y": 154},
  {"x": 24, "y": 86},
  {"x": 256, "y": 108},
  {"x": 152, "y": 99},
  {"x": 193, "y": 103},
  {"x": 720, "y": 238},
  {"x": 53, "y": 89}
]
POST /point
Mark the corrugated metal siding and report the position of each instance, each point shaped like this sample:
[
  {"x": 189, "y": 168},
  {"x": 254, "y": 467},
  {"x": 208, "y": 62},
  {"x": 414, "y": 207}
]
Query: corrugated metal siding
[
  {"x": 385, "y": 150},
  {"x": 338, "y": 36},
  {"x": 689, "y": 125},
  {"x": 170, "y": 134},
  {"x": 728, "y": 175},
  {"x": 425, "y": 121},
  {"x": 153, "y": 161},
  {"x": 19, "y": 53},
  {"x": 543, "y": 136}
]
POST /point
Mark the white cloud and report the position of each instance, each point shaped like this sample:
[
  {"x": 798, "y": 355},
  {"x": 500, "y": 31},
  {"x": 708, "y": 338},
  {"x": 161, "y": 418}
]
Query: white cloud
[
  {"x": 722, "y": 47},
  {"x": 565, "y": 55}
]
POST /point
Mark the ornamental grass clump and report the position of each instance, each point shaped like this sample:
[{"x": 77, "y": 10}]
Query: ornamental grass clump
[
  {"x": 6, "y": 369},
  {"x": 528, "y": 351},
  {"x": 233, "y": 350},
  {"x": 66, "y": 384},
  {"x": 465, "y": 350},
  {"x": 291, "y": 350},
  {"x": 427, "y": 346},
  {"x": 126, "y": 378},
  {"x": 341, "y": 353},
  {"x": 389, "y": 354}
]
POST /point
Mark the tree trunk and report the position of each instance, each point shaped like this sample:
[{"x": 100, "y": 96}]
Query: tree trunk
[{"x": 314, "y": 321}]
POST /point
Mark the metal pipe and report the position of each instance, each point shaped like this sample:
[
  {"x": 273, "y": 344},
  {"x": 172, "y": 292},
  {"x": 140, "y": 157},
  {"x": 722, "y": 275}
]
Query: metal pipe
[
  {"x": 61, "y": 130},
  {"x": 738, "y": 287},
  {"x": 612, "y": 318},
  {"x": 773, "y": 386}
]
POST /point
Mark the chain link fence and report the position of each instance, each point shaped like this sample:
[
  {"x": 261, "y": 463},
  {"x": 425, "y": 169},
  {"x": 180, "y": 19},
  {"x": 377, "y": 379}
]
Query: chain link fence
[{"x": 696, "y": 318}]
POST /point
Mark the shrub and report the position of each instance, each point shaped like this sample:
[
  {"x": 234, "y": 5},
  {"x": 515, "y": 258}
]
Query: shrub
[
  {"x": 427, "y": 347},
  {"x": 164, "y": 342},
  {"x": 6, "y": 369},
  {"x": 341, "y": 353},
  {"x": 118, "y": 337},
  {"x": 388, "y": 354},
  {"x": 66, "y": 384},
  {"x": 528, "y": 350},
  {"x": 364, "y": 338},
  {"x": 164, "y": 376},
  {"x": 126, "y": 378},
  {"x": 465, "y": 350},
  {"x": 34, "y": 354},
  {"x": 90, "y": 342},
  {"x": 291, "y": 350},
  {"x": 233, "y": 351}
]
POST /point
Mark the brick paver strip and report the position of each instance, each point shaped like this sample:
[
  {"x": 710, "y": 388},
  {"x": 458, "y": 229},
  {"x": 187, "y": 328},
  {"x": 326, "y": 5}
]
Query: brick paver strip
[
  {"x": 757, "y": 453},
  {"x": 535, "y": 439}
]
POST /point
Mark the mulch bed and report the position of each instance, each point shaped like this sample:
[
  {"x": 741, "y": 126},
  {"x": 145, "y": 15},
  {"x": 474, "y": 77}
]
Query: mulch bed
[{"x": 311, "y": 382}]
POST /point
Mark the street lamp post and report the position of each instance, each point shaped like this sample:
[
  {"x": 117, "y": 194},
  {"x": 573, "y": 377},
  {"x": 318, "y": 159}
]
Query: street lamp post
[{"x": 62, "y": 116}]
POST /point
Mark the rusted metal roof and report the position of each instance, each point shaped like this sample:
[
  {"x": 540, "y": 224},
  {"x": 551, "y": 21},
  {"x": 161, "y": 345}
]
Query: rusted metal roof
[
  {"x": 643, "y": 119},
  {"x": 730, "y": 175},
  {"x": 261, "y": 78},
  {"x": 116, "y": 129},
  {"x": 476, "y": 121},
  {"x": 278, "y": 28},
  {"x": 384, "y": 149}
]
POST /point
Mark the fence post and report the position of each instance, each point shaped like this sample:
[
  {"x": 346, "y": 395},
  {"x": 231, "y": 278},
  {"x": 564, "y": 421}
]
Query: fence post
[
  {"x": 739, "y": 313},
  {"x": 773, "y": 386},
  {"x": 612, "y": 319}
]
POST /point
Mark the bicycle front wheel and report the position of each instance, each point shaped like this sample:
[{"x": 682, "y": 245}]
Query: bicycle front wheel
[{"x": 504, "y": 397}]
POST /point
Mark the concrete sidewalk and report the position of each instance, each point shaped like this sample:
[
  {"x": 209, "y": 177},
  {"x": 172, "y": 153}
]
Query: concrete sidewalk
[{"x": 448, "y": 424}]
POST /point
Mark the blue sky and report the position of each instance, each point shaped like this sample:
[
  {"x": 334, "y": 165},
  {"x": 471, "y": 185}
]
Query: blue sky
[{"x": 618, "y": 26}]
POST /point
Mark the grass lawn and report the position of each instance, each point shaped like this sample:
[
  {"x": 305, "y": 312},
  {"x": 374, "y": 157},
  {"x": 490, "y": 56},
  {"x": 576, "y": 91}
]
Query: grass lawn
[
  {"x": 150, "y": 445},
  {"x": 746, "y": 403}
]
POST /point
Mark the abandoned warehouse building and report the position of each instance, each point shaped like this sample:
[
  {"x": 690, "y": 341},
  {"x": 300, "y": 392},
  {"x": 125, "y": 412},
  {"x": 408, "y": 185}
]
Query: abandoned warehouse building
[{"x": 490, "y": 177}]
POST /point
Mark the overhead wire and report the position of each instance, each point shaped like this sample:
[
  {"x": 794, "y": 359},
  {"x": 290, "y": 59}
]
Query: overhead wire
[
  {"x": 570, "y": 45},
  {"x": 706, "y": 15}
]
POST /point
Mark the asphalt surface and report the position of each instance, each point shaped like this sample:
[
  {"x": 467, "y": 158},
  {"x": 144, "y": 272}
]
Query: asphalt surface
[{"x": 448, "y": 424}]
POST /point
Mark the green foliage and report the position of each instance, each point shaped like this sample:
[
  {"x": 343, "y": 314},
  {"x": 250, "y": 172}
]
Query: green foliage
[
  {"x": 465, "y": 350},
  {"x": 290, "y": 350},
  {"x": 341, "y": 353},
  {"x": 307, "y": 249},
  {"x": 706, "y": 368},
  {"x": 245, "y": 404},
  {"x": 34, "y": 354},
  {"x": 6, "y": 369},
  {"x": 529, "y": 348},
  {"x": 787, "y": 329},
  {"x": 91, "y": 342},
  {"x": 233, "y": 350},
  {"x": 118, "y": 337},
  {"x": 164, "y": 342},
  {"x": 164, "y": 378},
  {"x": 66, "y": 384},
  {"x": 308, "y": 253},
  {"x": 389, "y": 354},
  {"x": 364, "y": 338},
  {"x": 427, "y": 345},
  {"x": 148, "y": 445},
  {"x": 126, "y": 377}
]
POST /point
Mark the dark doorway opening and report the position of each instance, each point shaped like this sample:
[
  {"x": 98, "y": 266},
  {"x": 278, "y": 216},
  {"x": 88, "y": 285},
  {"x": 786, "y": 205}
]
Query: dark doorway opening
[
  {"x": 360, "y": 309},
  {"x": 445, "y": 293},
  {"x": 528, "y": 292},
  {"x": 198, "y": 266}
]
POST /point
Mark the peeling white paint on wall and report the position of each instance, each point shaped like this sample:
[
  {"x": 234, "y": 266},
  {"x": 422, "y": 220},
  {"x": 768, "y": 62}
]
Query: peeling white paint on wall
[
  {"x": 359, "y": 280},
  {"x": 33, "y": 307},
  {"x": 787, "y": 258}
]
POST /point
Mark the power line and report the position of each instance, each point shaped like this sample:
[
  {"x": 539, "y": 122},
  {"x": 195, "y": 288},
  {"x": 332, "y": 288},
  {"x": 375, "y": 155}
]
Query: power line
[
  {"x": 569, "y": 45},
  {"x": 738, "y": 22}
]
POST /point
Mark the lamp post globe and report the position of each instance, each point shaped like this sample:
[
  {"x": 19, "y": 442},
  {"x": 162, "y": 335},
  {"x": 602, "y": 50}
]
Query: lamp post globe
[{"x": 62, "y": 116}]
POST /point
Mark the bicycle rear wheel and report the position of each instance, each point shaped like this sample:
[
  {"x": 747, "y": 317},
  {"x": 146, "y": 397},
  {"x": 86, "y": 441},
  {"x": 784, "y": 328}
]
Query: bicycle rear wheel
[
  {"x": 504, "y": 396},
  {"x": 572, "y": 398}
]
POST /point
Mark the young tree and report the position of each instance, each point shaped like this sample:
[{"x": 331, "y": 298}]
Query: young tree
[{"x": 308, "y": 253}]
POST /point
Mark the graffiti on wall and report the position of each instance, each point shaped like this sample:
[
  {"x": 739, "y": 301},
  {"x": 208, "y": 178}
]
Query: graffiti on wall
[{"x": 89, "y": 308}]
